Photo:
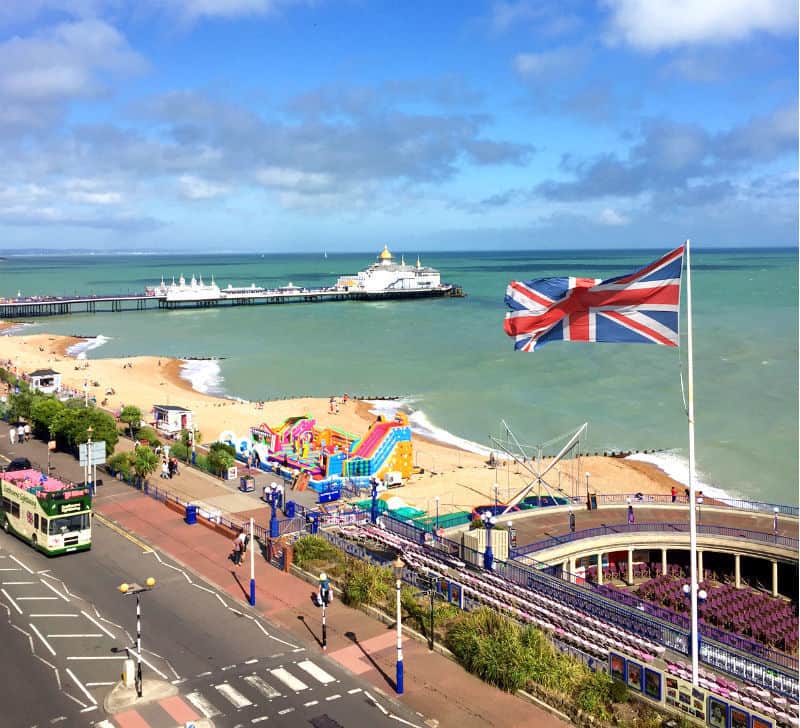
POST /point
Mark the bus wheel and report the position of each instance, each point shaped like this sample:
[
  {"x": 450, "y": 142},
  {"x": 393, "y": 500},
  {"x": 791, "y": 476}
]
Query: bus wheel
[
  {"x": 5, "y": 525},
  {"x": 35, "y": 541}
]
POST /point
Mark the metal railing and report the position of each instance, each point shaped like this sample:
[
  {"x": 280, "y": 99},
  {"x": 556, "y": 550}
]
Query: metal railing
[
  {"x": 726, "y": 531},
  {"x": 742, "y": 504}
]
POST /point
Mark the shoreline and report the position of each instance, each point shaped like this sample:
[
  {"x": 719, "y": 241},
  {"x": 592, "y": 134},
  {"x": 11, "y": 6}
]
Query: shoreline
[{"x": 460, "y": 478}]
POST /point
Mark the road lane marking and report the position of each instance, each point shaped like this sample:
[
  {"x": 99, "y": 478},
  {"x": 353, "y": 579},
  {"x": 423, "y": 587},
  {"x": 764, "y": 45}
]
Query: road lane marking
[
  {"x": 81, "y": 686},
  {"x": 36, "y": 599},
  {"x": 50, "y": 614},
  {"x": 90, "y": 634},
  {"x": 13, "y": 603},
  {"x": 98, "y": 657},
  {"x": 10, "y": 569},
  {"x": 91, "y": 707},
  {"x": 99, "y": 684},
  {"x": 260, "y": 719},
  {"x": 354, "y": 691},
  {"x": 263, "y": 687},
  {"x": 285, "y": 711},
  {"x": 17, "y": 561},
  {"x": 250, "y": 662},
  {"x": 97, "y": 624},
  {"x": 316, "y": 672},
  {"x": 17, "y": 583},
  {"x": 201, "y": 703},
  {"x": 54, "y": 590},
  {"x": 133, "y": 653},
  {"x": 289, "y": 680},
  {"x": 335, "y": 696},
  {"x": 41, "y": 637},
  {"x": 310, "y": 703},
  {"x": 232, "y": 695},
  {"x": 119, "y": 531}
]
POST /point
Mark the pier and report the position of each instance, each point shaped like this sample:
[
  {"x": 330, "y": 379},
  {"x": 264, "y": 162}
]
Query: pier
[{"x": 37, "y": 306}]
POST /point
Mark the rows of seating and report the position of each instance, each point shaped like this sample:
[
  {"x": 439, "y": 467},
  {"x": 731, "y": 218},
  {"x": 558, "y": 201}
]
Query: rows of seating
[{"x": 769, "y": 620}]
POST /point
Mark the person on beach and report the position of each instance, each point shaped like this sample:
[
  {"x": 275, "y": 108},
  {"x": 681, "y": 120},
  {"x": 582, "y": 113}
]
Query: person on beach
[
  {"x": 330, "y": 406},
  {"x": 336, "y": 405}
]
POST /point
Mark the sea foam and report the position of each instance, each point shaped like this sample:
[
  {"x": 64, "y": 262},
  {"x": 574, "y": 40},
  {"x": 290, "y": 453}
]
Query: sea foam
[
  {"x": 205, "y": 375},
  {"x": 677, "y": 468},
  {"x": 79, "y": 350}
]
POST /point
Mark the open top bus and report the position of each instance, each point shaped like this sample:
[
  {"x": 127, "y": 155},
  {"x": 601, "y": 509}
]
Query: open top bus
[{"x": 54, "y": 517}]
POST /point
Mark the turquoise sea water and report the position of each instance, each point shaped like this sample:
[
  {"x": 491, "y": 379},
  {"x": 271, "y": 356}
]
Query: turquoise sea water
[{"x": 452, "y": 363}]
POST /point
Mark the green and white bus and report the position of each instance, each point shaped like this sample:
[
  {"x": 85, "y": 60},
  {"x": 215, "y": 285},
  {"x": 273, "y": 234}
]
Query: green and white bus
[{"x": 54, "y": 517}]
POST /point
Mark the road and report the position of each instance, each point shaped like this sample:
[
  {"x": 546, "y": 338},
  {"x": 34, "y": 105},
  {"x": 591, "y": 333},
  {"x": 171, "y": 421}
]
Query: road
[{"x": 228, "y": 662}]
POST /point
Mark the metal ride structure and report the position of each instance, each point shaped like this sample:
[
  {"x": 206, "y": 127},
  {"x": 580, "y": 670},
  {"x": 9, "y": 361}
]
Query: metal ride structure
[{"x": 537, "y": 471}]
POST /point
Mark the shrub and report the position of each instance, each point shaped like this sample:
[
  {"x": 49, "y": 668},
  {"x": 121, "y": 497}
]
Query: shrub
[
  {"x": 619, "y": 692},
  {"x": 148, "y": 435},
  {"x": 308, "y": 549},
  {"x": 365, "y": 583},
  {"x": 594, "y": 693},
  {"x": 180, "y": 451},
  {"x": 121, "y": 463}
]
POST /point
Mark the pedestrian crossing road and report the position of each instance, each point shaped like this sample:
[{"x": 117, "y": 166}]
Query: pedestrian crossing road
[{"x": 296, "y": 692}]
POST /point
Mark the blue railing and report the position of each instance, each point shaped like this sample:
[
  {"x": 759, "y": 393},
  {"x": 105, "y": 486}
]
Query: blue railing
[
  {"x": 726, "y": 531},
  {"x": 742, "y": 504}
]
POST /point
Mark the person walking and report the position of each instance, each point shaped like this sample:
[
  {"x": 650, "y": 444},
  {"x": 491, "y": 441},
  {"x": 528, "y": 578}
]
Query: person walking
[
  {"x": 674, "y": 493},
  {"x": 571, "y": 521},
  {"x": 27, "y": 432},
  {"x": 20, "y": 434},
  {"x": 237, "y": 551},
  {"x": 164, "y": 469},
  {"x": 12, "y": 434},
  {"x": 631, "y": 519}
]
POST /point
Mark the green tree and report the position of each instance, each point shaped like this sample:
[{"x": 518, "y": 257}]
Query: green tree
[
  {"x": 44, "y": 411},
  {"x": 19, "y": 407},
  {"x": 121, "y": 463},
  {"x": 148, "y": 435},
  {"x": 71, "y": 427},
  {"x": 144, "y": 462},
  {"x": 131, "y": 416}
]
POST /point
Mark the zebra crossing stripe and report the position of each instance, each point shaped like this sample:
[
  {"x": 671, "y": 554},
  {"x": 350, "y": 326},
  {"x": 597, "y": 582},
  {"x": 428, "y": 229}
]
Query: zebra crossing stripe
[
  {"x": 289, "y": 680},
  {"x": 232, "y": 695},
  {"x": 202, "y": 704},
  {"x": 263, "y": 687},
  {"x": 316, "y": 672}
]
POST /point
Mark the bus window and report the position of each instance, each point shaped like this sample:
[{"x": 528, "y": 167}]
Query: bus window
[
  {"x": 43, "y": 525},
  {"x": 65, "y": 524},
  {"x": 35, "y": 521}
]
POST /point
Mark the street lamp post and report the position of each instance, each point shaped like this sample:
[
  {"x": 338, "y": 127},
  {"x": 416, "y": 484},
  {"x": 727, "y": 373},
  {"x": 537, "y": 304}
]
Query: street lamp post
[
  {"x": 136, "y": 589},
  {"x": 496, "y": 491},
  {"x": 702, "y": 595},
  {"x": 397, "y": 566},
  {"x": 194, "y": 442},
  {"x": 89, "y": 460},
  {"x": 252, "y": 564},
  {"x": 775, "y": 512},
  {"x": 436, "y": 500},
  {"x": 488, "y": 556},
  {"x": 588, "y": 502},
  {"x": 273, "y": 519}
]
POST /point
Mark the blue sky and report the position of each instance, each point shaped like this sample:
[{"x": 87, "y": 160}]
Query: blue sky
[{"x": 291, "y": 125}]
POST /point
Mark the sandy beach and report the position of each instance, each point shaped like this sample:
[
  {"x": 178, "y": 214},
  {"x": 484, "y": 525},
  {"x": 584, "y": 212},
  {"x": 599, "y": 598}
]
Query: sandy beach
[{"x": 460, "y": 478}]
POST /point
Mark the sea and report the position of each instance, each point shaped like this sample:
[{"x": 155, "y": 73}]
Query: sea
[{"x": 451, "y": 366}]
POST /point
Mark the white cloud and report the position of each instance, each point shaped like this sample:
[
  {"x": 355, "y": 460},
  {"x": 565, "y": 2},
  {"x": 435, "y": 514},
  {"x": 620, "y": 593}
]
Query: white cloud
[
  {"x": 40, "y": 72},
  {"x": 655, "y": 24},
  {"x": 613, "y": 218},
  {"x": 293, "y": 179},
  {"x": 549, "y": 64},
  {"x": 197, "y": 188}
]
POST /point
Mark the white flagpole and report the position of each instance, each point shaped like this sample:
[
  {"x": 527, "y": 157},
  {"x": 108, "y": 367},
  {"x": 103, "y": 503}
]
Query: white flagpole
[{"x": 694, "y": 635}]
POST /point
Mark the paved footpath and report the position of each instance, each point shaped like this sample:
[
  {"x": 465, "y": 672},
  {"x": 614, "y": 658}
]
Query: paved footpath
[{"x": 435, "y": 687}]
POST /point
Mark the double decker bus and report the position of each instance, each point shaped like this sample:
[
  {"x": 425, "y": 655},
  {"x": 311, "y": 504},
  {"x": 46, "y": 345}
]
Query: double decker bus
[{"x": 52, "y": 516}]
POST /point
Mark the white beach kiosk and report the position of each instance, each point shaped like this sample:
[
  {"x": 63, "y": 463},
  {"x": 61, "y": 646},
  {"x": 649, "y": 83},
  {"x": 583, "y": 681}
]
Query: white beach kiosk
[
  {"x": 171, "y": 419},
  {"x": 47, "y": 381}
]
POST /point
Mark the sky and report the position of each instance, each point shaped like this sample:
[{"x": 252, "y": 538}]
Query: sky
[{"x": 310, "y": 125}]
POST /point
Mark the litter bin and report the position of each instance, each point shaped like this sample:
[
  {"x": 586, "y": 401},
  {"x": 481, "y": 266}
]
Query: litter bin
[
  {"x": 191, "y": 514},
  {"x": 289, "y": 510}
]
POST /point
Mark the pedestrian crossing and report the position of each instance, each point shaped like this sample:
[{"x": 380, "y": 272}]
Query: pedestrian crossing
[{"x": 249, "y": 692}]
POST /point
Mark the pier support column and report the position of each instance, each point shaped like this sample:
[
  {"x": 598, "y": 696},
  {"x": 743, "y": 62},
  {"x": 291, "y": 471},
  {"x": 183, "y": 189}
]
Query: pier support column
[
  {"x": 737, "y": 571},
  {"x": 775, "y": 579},
  {"x": 663, "y": 561},
  {"x": 699, "y": 565},
  {"x": 600, "y": 568},
  {"x": 630, "y": 566},
  {"x": 571, "y": 568},
  {"x": 565, "y": 569}
]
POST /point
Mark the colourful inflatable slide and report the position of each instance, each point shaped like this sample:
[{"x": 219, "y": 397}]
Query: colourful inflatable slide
[{"x": 385, "y": 447}]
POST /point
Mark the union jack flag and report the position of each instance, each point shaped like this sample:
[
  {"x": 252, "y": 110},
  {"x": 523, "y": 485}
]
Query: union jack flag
[{"x": 640, "y": 307}]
